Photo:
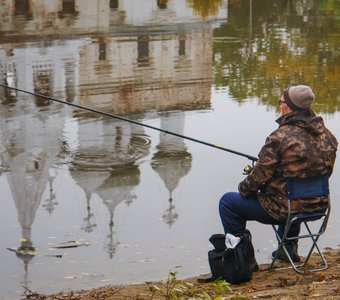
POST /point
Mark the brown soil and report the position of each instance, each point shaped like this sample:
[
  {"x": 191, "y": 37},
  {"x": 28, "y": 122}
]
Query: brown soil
[{"x": 266, "y": 284}]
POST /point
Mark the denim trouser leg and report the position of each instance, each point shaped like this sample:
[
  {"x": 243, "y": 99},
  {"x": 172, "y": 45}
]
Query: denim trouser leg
[{"x": 236, "y": 210}]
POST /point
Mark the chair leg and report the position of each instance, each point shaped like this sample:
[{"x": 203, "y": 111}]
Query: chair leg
[
  {"x": 299, "y": 268},
  {"x": 280, "y": 244},
  {"x": 315, "y": 238}
]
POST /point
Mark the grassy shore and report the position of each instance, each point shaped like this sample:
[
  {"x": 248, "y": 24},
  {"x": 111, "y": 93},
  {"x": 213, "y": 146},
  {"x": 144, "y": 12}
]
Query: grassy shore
[{"x": 266, "y": 284}]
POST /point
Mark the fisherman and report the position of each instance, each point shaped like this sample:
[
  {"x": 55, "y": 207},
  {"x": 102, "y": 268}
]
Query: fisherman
[{"x": 301, "y": 147}]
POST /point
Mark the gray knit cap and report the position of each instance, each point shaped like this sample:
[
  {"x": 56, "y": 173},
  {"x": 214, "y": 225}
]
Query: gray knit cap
[{"x": 299, "y": 97}]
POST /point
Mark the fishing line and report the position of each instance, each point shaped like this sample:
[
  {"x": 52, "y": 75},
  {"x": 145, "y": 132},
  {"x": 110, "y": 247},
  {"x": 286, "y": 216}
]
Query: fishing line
[{"x": 250, "y": 157}]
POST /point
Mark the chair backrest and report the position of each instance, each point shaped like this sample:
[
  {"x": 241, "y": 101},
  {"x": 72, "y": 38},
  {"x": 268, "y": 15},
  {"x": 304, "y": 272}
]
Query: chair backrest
[{"x": 307, "y": 187}]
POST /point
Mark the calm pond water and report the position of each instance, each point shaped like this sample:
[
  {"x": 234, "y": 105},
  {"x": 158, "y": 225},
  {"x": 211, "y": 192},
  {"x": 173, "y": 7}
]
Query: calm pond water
[{"x": 89, "y": 200}]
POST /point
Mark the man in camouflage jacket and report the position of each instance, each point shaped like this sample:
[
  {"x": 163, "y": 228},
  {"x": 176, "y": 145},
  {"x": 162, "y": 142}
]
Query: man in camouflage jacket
[{"x": 301, "y": 147}]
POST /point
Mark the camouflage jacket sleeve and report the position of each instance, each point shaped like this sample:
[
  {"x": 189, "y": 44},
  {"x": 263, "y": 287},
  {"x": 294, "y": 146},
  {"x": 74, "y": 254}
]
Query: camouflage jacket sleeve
[{"x": 264, "y": 169}]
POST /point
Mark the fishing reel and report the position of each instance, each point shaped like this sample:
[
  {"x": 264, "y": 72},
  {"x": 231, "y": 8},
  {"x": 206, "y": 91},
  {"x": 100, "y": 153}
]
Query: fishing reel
[{"x": 247, "y": 170}]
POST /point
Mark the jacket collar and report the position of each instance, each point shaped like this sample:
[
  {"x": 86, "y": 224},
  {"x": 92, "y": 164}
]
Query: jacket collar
[{"x": 296, "y": 116}]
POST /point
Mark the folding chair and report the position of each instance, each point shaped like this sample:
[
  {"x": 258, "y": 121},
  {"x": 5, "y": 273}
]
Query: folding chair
[{"x": 304, "y": 189}]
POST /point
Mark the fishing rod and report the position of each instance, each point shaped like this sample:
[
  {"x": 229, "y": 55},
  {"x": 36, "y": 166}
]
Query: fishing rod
[{"x": 250, "y": 157}]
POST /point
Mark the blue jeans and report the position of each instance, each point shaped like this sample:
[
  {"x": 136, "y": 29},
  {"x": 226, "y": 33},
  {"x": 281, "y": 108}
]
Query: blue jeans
[{"x": 236, "y": 210}]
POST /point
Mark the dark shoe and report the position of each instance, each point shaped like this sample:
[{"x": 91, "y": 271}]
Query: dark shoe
[{"x": 293, "y": 253}]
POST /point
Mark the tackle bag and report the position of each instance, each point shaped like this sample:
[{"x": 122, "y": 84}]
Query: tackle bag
[{"x": 235, "y": 265}]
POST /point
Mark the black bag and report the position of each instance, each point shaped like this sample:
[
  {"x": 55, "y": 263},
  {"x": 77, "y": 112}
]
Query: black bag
[{"x": 234, "y": 265}]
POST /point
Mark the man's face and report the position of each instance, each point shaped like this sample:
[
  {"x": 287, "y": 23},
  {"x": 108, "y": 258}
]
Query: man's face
[{"x": 284, "y": 108}]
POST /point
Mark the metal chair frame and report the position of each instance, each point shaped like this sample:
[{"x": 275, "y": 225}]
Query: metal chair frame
[{"x": 313, "y": 235}]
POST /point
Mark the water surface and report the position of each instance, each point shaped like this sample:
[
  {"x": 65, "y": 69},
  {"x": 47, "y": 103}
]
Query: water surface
[{"x": 88, "y": 200}]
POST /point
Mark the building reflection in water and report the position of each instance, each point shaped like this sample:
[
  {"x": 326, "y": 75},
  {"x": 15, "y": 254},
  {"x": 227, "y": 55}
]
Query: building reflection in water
[
  {"x": 125, "y": 61},
  {"x": 172, "y": 161},
  {"x": 29, "y": 154},
  {"x": 105, "y": 163},
  {"x": 118, "y": 187},
  {"x": 50, "y": 202}
]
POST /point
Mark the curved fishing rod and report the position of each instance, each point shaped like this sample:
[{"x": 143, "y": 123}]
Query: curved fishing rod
[{"x": 250, "y": 157}]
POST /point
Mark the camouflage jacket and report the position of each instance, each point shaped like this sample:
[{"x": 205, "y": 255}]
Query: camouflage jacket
[{"x": 301, "y": 147}]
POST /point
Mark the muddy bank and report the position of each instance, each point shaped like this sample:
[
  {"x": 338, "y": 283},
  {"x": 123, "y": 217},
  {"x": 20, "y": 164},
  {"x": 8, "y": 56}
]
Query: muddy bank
[{"x": 266, "y": 284}]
